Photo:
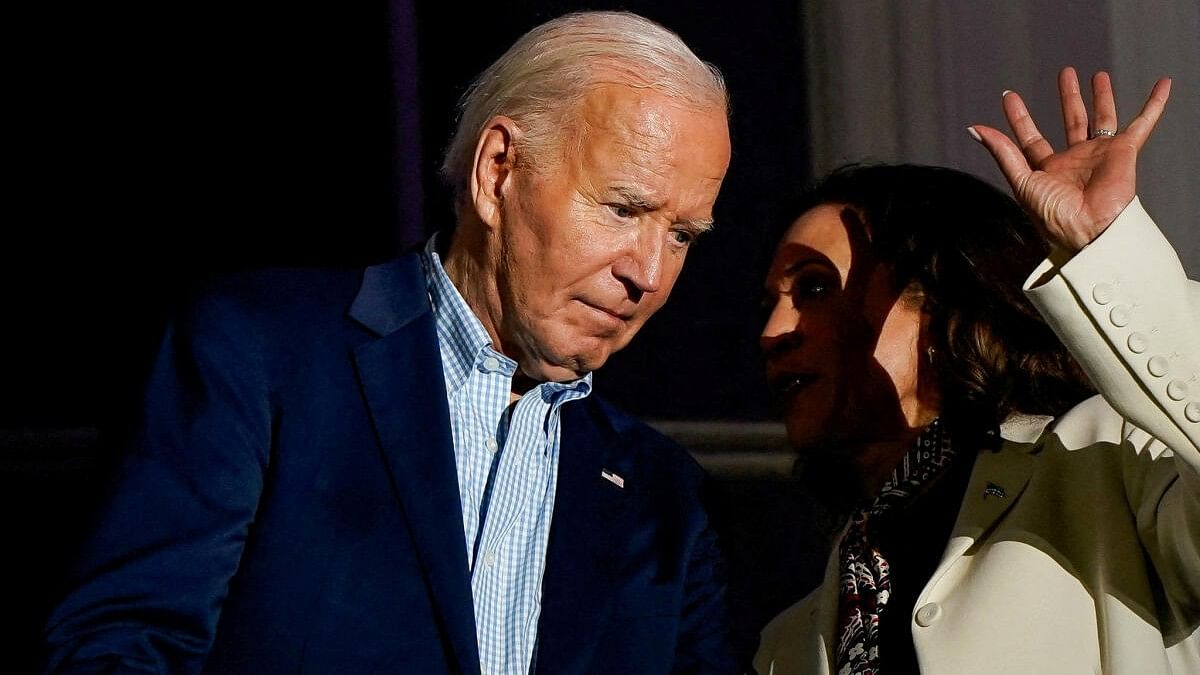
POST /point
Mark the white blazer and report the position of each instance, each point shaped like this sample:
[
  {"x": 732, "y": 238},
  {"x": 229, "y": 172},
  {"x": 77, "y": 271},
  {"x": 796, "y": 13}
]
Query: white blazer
[{"x": 1077, "y": 548}]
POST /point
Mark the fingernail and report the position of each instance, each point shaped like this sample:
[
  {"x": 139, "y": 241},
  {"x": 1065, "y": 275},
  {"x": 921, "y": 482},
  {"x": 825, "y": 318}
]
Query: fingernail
[
  {"x": 974, "y": 134},
  {"x": 1006, "y": 93}
]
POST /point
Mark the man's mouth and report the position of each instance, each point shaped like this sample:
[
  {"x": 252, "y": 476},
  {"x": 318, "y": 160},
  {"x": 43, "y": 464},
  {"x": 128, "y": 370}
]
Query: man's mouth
[{"x": 620, "y": 316}]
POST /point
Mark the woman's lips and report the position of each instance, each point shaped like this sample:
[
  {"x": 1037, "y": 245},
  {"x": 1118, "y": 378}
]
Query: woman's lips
[{"x": 789, "y": 384}]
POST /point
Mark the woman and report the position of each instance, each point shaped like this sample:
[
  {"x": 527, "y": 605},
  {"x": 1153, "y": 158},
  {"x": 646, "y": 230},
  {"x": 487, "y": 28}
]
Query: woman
[{"x": 1001, "y": 519}]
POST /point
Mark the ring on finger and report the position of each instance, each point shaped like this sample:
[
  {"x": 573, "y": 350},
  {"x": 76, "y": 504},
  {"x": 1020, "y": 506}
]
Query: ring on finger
[{"x": 1111, "y": 133}]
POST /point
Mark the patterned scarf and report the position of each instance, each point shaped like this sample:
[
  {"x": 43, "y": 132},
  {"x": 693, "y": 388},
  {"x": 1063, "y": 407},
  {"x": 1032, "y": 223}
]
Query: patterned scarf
[{"x": 865, "y": 576}]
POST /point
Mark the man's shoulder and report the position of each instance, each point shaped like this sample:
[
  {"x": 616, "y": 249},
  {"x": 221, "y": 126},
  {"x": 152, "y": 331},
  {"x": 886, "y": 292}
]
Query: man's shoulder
[
  {"x": 303, "y": 296},
  {"x": 638, "y": 437}
]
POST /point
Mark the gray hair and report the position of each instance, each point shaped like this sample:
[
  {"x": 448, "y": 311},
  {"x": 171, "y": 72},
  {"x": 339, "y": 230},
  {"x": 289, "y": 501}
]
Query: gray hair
[{"x": 542, "y": 78}]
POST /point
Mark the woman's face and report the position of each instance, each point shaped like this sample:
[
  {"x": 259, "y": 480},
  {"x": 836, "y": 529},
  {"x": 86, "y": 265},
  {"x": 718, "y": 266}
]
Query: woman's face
[{"x": 843, "y": 348}]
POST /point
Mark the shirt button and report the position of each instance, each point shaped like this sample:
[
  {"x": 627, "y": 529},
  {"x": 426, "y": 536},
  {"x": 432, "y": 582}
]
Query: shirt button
[
  {"x": 1119, "y": 316},
  {"x": 491, "y": 444},
  {"x": 928, "y": 614},
  {"x": 1157, "y": 366},
  {"x": 490, "y": 560},
  {"x": 1192, "y": 412},
  {"x": 1176, "y": 390},
  {"x": 1137, "y": 343},
  {"x": 1102, "y": 293},
  {"x": 491, "y": 364}
]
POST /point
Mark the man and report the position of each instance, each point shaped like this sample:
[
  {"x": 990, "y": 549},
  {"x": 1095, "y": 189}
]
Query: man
[{"x": 403, "y": 469}]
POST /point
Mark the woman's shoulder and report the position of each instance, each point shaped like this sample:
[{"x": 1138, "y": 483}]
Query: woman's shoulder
[{"x": 1093, "y": 421}]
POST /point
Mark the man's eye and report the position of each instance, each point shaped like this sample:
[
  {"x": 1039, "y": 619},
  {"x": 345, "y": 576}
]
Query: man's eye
[
  {"x": 683, "y": 236},
  {"x": 621, "y": 211}
]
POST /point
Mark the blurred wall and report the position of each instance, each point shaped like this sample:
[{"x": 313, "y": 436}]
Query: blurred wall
[{"x": 900, "y": 81}]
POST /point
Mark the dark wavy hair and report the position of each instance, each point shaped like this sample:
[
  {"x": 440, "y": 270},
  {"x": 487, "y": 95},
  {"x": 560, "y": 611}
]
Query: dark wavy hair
[{"x": 968, "y": 248}]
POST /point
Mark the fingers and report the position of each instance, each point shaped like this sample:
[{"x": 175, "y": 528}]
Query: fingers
[
  {"x": 1139, "y": 129},
  {"x": 1103, "y": 105},
  {"x": 1074, "y": 112},
  {"x": 1008, "y": 156},
  {"x": 1034, "y": 146}
]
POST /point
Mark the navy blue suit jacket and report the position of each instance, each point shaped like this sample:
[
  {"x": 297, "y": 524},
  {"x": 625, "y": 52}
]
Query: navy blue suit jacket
[{"x": 291, "y": 505}]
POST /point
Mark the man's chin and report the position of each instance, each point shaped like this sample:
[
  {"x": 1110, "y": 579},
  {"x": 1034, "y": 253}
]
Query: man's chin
[{"x": 564, "y": 369}]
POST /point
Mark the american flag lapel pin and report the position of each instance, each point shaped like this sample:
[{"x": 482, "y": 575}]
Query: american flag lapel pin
[
  {"x": 612, "y": 478},
  {"x": 993, "y": 490}
]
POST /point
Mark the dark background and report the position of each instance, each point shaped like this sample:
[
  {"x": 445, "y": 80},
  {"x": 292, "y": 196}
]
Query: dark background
[
  {"x": 165, "y": 145},
  {"x": 160, "y": 144}
]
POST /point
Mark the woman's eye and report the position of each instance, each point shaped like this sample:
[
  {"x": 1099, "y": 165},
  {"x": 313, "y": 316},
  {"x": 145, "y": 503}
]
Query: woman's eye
[{"x": 810, "y": 288}]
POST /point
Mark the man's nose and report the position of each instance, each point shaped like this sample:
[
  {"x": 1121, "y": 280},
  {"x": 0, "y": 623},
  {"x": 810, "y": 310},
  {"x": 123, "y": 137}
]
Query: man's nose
[{"x": 641, "y": 265}]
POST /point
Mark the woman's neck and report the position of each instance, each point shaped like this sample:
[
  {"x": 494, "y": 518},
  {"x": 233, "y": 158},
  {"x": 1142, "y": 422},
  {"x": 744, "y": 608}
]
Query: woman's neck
[{"x": 874, "y": 463}]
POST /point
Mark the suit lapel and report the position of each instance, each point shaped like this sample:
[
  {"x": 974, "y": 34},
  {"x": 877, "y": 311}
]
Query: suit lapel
[
  {"x": 997, "y": 481},
  {"x": 402, "y": 381},
  {"x": 587, "y": 544},
  {"x": 820, "y": 643}
]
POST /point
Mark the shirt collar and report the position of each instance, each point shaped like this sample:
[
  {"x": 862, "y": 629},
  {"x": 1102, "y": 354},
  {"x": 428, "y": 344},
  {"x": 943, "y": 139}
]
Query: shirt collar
[
  {"x": 466, "y": 345},
  {"x": 462, "y": 336}
]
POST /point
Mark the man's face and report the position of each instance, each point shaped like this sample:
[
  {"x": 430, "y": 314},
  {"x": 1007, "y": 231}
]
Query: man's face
[{"x": 589, "y": 246}]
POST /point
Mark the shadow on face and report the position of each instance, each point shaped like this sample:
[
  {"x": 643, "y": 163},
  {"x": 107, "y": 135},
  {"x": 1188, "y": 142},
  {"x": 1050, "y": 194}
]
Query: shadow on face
[{"x": 841, "y": 343}]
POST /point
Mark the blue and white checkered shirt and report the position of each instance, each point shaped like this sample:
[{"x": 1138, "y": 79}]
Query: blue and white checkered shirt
[{"x": 507, "y": 460}]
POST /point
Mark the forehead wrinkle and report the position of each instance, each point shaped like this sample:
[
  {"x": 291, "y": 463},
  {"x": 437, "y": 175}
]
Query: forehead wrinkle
[
  {"x": 641, "y": 134},
  {"x": 634, "y": 173},
  {"x": 642, "y": 123}
]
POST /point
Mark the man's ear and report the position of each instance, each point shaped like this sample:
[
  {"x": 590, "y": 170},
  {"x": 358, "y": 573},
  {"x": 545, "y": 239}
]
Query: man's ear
[{"x": 492, "y": 174}]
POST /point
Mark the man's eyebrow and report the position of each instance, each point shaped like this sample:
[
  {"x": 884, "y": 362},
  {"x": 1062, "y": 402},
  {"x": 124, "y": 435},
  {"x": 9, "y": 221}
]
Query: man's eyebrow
[
  {"x": 637, "y": 199},
  {"x": 697, "y": 225}
]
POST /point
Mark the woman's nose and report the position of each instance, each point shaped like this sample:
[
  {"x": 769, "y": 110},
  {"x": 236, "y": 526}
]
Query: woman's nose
[{"x": 783, "y": 323}]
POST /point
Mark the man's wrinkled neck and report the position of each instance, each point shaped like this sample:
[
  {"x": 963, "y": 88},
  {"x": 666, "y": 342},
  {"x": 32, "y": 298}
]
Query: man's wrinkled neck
[{"x": 472, "y": 269}]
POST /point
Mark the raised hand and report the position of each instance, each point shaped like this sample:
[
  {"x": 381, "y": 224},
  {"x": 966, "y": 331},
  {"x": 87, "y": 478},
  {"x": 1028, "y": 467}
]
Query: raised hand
[{"x": 1079, "y": 191}]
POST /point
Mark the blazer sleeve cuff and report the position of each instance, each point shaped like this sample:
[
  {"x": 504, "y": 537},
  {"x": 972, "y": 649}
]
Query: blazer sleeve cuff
[{"x": 1125, "y": 309}]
